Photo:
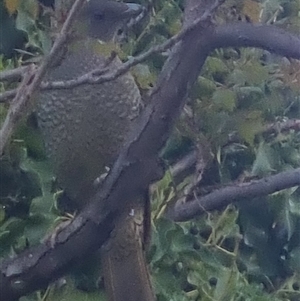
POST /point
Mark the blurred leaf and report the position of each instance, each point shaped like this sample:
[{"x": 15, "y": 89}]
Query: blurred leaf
[
  {"x": 291, "y": 74},
  {"x": 169, "y": 15},
  {"x": 45, "y": 40},
  {"x": 252, "y": 9},
  {"x": 144, "y": 76},
  {"x": 204, "y": 87},
  {"x": 68, "y": 292},
  {"x": 294, "y": 205},
  {"x": 11, "y": 5},
  {"x": 38, "y": 226},
  {"x": 294, "y": 259},
  {"x": 11, "y": 235},
  {"x": 224, "y": 99},
  {"x": 263, "y": 163},
  {"x": 291, "y": 155},
  {"x": 250, "y": 126},
  {"x": 254, "y": 73},
  {"x": 107, "y": 49},
  {"x": 214, "y": 67},
  {"x": 226, "y": 284},
  {"x": 248, "y": 96},
  {"x": 237, "y": 77}
]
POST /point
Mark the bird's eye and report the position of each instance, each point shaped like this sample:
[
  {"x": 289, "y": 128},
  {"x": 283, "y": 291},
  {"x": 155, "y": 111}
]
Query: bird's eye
[{"x": 98, "y": 16}]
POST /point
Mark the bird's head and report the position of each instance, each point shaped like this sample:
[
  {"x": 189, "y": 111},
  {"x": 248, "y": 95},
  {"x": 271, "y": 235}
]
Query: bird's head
[{"x": 105, "y": 19}]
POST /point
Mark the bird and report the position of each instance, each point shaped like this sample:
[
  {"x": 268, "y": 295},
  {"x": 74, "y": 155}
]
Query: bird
[{"x": 84, "y": 129}]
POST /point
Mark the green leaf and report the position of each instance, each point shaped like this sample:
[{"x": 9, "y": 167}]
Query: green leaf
[
  {"x": 68, "y": 292},
  {"x": 204, "y": 87},
  {"x": 249, "y": 126},
  {"x": 294, "y": 205},
  {"x": 224, "y": 99},
  {"x": 227, "y": 281},
  {"x": 237, "y": 77},
  {"x": 11, "y": 235},
  {"x": 214, "y": 67},
  {"x": 254, "y": 73},
  {"x": 248, "y": 96},
  {"x": 294, "y": 259},
  {"x": 144, "y": 76},
  {"x": 263, "y": 163}
]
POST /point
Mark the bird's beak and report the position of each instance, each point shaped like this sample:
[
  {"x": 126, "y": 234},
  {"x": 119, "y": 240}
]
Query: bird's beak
[
  {"x": 133, "y": 9},
  {"x": 134, "y": 13}
]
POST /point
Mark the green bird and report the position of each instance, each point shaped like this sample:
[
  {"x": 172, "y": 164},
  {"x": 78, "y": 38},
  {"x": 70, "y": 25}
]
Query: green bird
[{"x": 84, "y": 128}]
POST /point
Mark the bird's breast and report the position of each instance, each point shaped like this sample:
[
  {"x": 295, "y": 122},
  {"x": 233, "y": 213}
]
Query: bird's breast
[{"x": 84, "y": 127}]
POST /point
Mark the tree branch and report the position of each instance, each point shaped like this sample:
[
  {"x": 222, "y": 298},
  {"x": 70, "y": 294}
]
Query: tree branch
[
  {"x": 240, "y": 192},
  {"x": 13, "y": 74},
  {"x": 268, "y": 37}
]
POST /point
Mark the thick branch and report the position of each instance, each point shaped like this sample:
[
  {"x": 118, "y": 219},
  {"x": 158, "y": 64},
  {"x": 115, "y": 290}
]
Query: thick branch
[
  {"x": 13, "y": 74},
  {"x": 225, "y": 196},
  {"x": 7, "y": 95},
  {"x": 262, "y": 36}
]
